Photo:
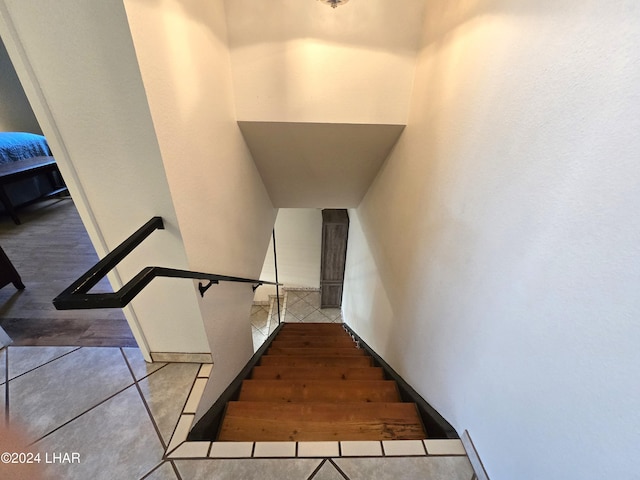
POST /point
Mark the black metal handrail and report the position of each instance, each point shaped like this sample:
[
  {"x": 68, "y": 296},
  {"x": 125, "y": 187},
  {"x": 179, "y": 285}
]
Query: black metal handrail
[{"x": 77, "y": 295}]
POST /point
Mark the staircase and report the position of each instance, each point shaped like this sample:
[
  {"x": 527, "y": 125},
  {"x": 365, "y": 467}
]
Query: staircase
[{"x": 314, "y": 384}]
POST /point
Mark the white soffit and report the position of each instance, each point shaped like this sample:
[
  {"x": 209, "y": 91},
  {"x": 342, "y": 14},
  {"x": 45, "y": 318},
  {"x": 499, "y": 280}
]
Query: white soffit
[{"x": 318, "y": 165}]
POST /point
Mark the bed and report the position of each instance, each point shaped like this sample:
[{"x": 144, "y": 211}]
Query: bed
[
  {"x": 28, "y": 171},
  {"x": 16, "y": 146}
]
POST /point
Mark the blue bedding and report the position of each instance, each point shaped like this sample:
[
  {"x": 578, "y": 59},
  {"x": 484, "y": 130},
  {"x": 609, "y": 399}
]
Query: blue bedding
[{"x": 15, "y": 146}]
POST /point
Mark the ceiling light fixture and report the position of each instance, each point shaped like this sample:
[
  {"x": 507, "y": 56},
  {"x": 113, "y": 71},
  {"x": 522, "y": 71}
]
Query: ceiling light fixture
[{"x": 334, "y": 3}]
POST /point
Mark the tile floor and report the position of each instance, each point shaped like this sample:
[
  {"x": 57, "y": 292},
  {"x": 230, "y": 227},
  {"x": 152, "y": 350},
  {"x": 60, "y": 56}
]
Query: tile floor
[
  {"x": 118, "y": 417},
  {"x": 296, "y": 305}
]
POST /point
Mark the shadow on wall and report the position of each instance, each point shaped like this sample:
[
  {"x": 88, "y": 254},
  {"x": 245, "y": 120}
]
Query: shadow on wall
[{"x": 371, "y": 24}]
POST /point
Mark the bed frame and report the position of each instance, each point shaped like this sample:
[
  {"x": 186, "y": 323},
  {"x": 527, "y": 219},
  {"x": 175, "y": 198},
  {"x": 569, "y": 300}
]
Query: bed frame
[{"x": 15, "y": 171}]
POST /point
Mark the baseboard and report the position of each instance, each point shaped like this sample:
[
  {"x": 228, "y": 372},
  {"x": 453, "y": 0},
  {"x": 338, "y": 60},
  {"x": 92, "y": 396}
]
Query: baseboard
[
  {"x": 474, "y": 458},
  {"x": 172, "y": 357}
]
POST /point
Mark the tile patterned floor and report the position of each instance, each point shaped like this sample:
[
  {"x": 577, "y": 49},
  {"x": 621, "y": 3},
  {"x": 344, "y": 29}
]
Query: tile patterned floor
[
  {"x": 296, "y": 305},
  {"x": 124, "y": 418}
]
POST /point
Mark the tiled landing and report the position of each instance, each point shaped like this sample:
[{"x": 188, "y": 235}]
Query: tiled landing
[{"x": 296, "y": 305}]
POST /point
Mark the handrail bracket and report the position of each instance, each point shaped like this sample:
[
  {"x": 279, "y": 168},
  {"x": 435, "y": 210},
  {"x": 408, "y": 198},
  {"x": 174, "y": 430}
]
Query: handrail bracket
[{"x": 203, "y": 288}]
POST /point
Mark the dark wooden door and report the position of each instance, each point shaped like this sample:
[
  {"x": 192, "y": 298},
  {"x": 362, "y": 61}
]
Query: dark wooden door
[{"x": 335, "y": 230}]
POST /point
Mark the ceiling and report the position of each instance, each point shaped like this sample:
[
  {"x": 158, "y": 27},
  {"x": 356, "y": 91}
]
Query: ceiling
[
  {"x": 318, "y": 165},
  {"x": 322, "y": 95}
]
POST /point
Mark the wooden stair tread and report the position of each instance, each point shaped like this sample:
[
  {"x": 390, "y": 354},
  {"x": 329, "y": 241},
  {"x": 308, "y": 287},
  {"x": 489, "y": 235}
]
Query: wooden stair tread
[
  {"x": 263, "y": 421},
  {"x": 319, "y": 391},
  {"x": 309, "y": 361},
  {"x": 317, "y": 351},
  {"x": 311, "y": 325},
  {"x": 317, "y": 373},
  {"x": 314, "y": 384}
]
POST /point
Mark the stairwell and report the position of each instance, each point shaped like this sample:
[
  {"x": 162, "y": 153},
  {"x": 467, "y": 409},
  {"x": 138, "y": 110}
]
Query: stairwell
[{"x": 315, "y": 384}]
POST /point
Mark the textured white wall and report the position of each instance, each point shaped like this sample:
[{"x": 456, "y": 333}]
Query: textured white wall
[
  {"x": 503, "y": 231},
  {"x": 303, "y": 61},
  {"x": 15, "y": 112},
  {"x": 224, "y": 211},
  {"x": 299, "y": 245},
  {"x": 78, "y": 66},
  {"x": 223, "y": 208}
]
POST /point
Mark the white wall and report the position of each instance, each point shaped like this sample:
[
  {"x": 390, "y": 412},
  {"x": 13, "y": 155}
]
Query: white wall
[
  {"x": 15, "y": 112},
  {"x": 504, "y": 238},
  {"x": 88, "y": 96},
  {"x": 303, "y": 61},
  {"x": 299, "y": 245},
  {"x": 223, "y": 209}
]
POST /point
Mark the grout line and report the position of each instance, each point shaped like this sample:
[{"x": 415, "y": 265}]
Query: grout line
[
  {"x": 144, "y": 401},
  {"x": 146, "y": 475},
  {"x": 186, "y": 400},
  {"x": 175, "y": 470},
  {"x": 315, "y": 472},
  {"x": 169, "y": 452},
  {"x": 335, "y": 465},
  {"x": 149, "y": 374},
  {"x": 6, "y": 389},
  {"x": 209, "y": 449},
  {"x": 424, "y": 447},
  {"x": 81, "y": 414},
  {"x": 35, "y": 368}
]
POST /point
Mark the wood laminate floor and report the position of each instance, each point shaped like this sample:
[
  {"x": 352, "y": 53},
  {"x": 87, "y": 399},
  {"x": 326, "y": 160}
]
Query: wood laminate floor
[{"x": 50, "y": 250}]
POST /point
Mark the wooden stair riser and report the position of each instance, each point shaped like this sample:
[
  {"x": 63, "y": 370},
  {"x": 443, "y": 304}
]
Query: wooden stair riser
[
  {"x": 316, "y": 373},
  {"x": 311, "y": 361},
  {"x": 313, "y": 329},
  {"x": 319, "y": 391},
  {"x": 309, "y": 341},
  {"x": 318, "y": 352},
  {"x": 262, "y": 421}
]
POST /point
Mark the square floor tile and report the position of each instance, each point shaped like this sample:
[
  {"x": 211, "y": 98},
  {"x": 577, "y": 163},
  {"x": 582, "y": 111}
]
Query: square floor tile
[
  {"x": 361, "y": 449},
  {"x": 328, "y": 472},
  {"x": 24, "y": 359},
  {"x": 275, "y": 449},
  {"x": 444, "y": 447},
  {"x": 47, "y": 397},
  {"x": 317, "y": 317},
  {"x": 395, "y": 468},
  {"x": 140, "y": 367},
  {"x": 313, "y": 299},
  {"x": 205, "y": 370},
  {"x": 231, "y": 449},
  {"x": 394, "y": 448},
  {"x": 115, "y": 440},
  {"x": 300, "y": 310},
  {"x": 248, "y": 469},
  {"x": 163, "y": 472},
  {"x": 332, "y": 313},
  {"x": 191, "y": 450},
  {"x": 318, "y": 449},
  {"x": 166, "y": 393},
  {"x": 195, "y": 395},
  {"x": 181, "y": 431}
]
